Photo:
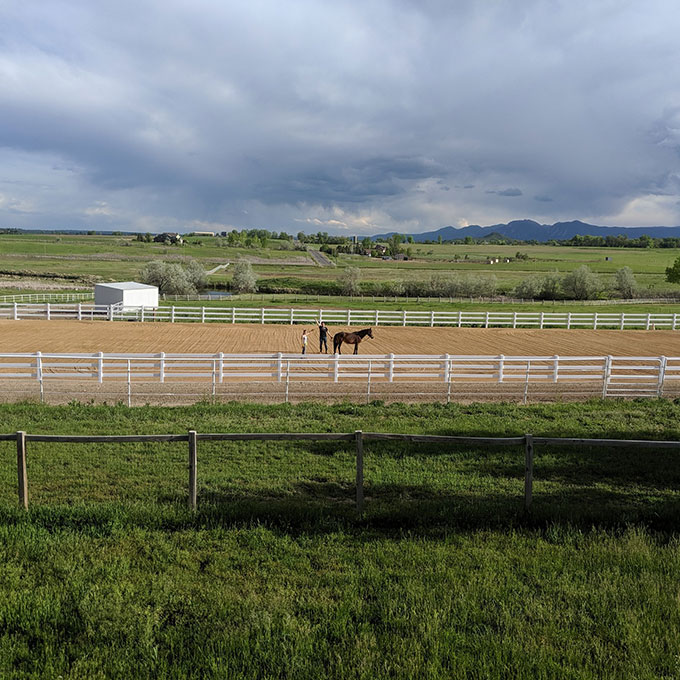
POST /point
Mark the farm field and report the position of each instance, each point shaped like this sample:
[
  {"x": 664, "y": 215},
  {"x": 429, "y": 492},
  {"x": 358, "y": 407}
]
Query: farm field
[
  {"x": 102, "y": 336},
  {"x": 109, "y": 575},
  {"x": 121, "y": 258}
]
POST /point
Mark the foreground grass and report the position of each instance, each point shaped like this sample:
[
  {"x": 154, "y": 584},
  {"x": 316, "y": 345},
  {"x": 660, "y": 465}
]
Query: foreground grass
[{"x": 108, "y": 575}]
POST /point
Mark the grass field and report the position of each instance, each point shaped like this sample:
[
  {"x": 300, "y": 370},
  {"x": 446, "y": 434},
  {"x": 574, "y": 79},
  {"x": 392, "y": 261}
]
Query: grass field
[
  {"x": 121, "y": 258},
  {"x": 109, "y": 575}
]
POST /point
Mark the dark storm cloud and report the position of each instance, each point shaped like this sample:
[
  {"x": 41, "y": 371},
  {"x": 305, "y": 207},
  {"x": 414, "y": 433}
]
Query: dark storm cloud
[{"x": 355, "y": 115}]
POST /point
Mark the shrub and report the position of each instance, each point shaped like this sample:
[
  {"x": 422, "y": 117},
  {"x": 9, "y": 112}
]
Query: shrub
[
  {"x": 581, "y": 284},
  {"x": 244, "y": 279}
]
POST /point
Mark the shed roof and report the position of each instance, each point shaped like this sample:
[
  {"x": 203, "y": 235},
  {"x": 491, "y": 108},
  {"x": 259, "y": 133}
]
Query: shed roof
[{"x": 128, "y": 285}]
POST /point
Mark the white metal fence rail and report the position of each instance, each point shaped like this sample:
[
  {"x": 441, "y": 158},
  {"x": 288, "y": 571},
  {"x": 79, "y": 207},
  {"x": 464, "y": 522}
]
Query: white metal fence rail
[{"x": 348, "y": 317}]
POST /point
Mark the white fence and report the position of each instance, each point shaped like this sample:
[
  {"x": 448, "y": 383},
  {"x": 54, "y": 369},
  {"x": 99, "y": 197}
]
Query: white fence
[
  {"x": 344, "y": 317},
  {"x": 604, "y": 376},
  {"x": 46, "y": 297}
]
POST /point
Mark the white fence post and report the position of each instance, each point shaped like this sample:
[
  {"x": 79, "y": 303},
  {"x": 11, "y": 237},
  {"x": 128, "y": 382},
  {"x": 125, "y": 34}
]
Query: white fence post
[
  {"x": 129, "y": 384},
  {"x": 368, "y": 383},
  {"x": 514, "y": 319},
  {"x": 233, "y": 314},
  {"x": 262, "y": 315},
  {"x": 279, "y": 367},
  {"x": 221, "y": 367},
  {"x": 486, "y": 320},
  {"x": 336, "y": 359},
  {"x": 142, "y": 313},
  {"x": 292, "y": 313},
  {"x": 542, "y": 315},
  {"x": 403, "y": 321},
  {"x": 662, "y": 376},
  {"x": 648, "y": 321},
  {"x": 675, "y": 317},
  {"x": 80, "y": 311},
  {"x": 47, "y": 309},
  {"x": 377, "y": 317},
  {"x": 100, "y": 367},
  {"x": 202, "y": 314},
  {"x": 161, "y": 369},
  {"x": 556, "y": 367},
  {"x": 607, "y": 375},
  {"x": 459, "y": 319},
  {"x": 501, "y": 360},
  {"x": 432, "y": 318},
  {"x": 110, "y": 313},
  {"x": 16, "y": 313},
  {"x": 568, "y": 320},
  {"x": 172, "y": 314},
  {"x": 349, "y": 317},
  {"x": 391, "y": 369}
]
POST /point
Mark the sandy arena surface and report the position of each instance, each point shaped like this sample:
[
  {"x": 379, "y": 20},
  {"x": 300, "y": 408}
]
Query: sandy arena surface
[{"x": 102, "y": 336}]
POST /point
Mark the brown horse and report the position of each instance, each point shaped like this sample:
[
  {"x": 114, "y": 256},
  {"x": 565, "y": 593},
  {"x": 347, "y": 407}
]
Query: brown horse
[{"x": 350, "y": 339}]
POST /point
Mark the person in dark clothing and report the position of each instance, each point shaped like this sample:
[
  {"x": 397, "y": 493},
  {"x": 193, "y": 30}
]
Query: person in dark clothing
[{"x": 323, "y": 337}]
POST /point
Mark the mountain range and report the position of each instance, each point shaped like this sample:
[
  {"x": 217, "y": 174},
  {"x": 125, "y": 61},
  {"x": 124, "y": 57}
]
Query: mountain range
[{"x": 528, "y": 230}]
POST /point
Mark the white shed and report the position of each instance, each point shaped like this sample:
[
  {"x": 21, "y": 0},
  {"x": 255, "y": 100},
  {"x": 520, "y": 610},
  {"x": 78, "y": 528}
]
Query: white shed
[{"x": 130, "y": 293}]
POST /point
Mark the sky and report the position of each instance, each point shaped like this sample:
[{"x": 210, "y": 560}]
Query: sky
[{"x": 351, "y": 116}]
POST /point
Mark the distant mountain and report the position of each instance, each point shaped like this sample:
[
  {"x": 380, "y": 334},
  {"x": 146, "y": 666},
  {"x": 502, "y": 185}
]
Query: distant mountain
[{"x": 528, "y": 230}]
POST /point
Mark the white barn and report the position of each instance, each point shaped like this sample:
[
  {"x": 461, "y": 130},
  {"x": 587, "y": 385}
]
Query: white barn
[{"x": 130, "y": 293}]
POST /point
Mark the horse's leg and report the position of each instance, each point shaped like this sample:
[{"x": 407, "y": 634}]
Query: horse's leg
[{"x": 356, "y": 348}]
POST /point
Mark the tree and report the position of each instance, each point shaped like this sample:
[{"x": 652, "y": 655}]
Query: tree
[
  {"x": 673, "y": 273},
  {"x": 625, "y": 283},
  {"x": 349, "y": 281},
  {"x": 581, "y": 284},
  {"x": 196, "y": 275},
  {"x": 529, "y": 288},
  {"x": 550, "y": 286},
  {"x": 393, "y": 244},
  {"x": 244, "y": 279},
  {"x": 170, "y": 278}
]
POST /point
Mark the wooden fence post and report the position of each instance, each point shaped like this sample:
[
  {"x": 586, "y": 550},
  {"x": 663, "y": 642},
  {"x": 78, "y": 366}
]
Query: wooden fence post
[
  {"x": 359, "y": 438},
  {"x": 193, "y": 460},
  {"x": 21, "y": 469},
  {"x": 528, "y": 470}
]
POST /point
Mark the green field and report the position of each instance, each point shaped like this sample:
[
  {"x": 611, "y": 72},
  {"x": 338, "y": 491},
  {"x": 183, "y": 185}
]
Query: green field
[
  {"x": 93, "y": 257},
  {"x": 109, "y": 575}
]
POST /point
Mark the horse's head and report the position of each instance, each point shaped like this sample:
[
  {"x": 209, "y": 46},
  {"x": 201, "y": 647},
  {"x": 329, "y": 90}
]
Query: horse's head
[{"x": 370, "y": 333}]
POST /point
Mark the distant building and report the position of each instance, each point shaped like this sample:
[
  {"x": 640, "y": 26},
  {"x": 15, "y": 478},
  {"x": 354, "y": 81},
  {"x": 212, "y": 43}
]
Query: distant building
[
  {"x": 380, "y": 249},
  {"x": 127, "y": 293},
  {"x": 203, "y": 233},
  {"x": 168, "y": 237}
]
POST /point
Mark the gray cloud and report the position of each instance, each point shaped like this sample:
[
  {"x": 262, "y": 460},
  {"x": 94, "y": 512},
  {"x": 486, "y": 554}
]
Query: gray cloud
[{"x": 286, "y": 114}]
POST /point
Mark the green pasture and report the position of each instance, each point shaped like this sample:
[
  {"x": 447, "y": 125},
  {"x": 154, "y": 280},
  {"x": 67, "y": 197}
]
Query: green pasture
[
  {"x": 275, "y": 576},
  {"x": 120, "y": 257}
]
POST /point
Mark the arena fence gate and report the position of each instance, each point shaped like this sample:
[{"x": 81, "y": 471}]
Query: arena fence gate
[
  {"x": 345, "y": 317},
  {"x": 282, "y": 376}
]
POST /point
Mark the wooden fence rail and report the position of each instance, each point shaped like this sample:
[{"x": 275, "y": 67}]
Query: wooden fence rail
[
  {"x": 527, "y": 441},
  {"x": 345, "y": 317}
]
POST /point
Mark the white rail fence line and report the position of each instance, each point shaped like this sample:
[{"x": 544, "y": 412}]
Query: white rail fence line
[
  {"x": 46, "y": 297},
  {"x": 605, "y": 376},
  {"x": 347, "y": 317}
]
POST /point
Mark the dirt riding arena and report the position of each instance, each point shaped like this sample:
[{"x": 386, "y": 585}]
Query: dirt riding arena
[
  {"x": 103, "y": 336},
  {"x": 132, "y": 337}
]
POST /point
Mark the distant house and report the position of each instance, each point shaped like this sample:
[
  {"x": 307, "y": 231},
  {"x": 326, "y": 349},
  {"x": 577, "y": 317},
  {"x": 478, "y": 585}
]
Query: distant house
[
  {"x": 168, "y": 237},
  {"x": 380, "y": 249},
  {"x": 203, "y": 233}
]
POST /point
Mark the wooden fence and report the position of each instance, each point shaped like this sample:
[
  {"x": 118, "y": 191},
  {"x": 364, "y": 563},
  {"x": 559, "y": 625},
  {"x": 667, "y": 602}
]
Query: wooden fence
[
  {"x": 343, "y": 317},
  {"x": 605, "y": 376},
  {"x": 528, "y": 441}
]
